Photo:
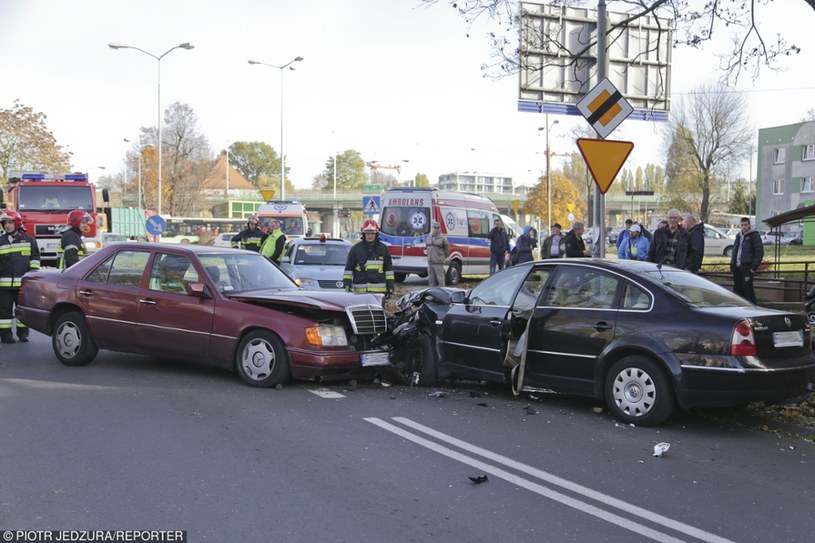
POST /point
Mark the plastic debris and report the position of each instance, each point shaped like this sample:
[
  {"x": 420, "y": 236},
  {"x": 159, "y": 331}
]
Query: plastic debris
[
  {"x": 529, "y": 410},
  {"x": 414, "y": 379},
  {"x": 661, "y": 448},
  {"x": 437, "y": 394},
  {"x": 478, "y": 480},
  {"x": 482, "y": 404},
  {"x": 597, "y": 409}
]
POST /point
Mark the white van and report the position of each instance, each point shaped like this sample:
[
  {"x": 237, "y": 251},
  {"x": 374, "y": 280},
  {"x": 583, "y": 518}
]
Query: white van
[{"x": 290, "y": 214}]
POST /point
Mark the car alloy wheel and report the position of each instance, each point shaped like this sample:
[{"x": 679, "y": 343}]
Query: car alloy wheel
[{"x": 261, "y": 360}]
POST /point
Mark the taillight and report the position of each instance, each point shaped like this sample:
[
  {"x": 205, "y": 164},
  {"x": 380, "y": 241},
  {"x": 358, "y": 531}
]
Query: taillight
[{"x": 743, "y": 342}]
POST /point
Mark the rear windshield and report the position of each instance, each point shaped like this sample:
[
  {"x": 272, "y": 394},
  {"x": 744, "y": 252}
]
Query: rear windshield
[{"x": 695, "y": 290}]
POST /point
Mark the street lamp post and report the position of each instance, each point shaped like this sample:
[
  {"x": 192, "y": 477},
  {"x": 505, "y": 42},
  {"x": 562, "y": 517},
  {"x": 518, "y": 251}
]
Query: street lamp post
[
  {"x": 282, "y": 156},
  {"x": 185, "y": 45},
  {"x": 548, "y": 173}
]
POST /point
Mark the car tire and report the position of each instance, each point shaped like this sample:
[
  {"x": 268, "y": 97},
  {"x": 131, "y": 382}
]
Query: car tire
[
  {"x": 71, "y": 340},
  {"x": 638, "y": 392},
  {"x": 453, "y": 276},
  {"x": 262, "y": 360},
  {"x": 399, "y": 277},
  {"x": 728, "y": 250}
]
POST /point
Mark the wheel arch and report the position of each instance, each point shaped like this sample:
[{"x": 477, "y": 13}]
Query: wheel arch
[
  {"x": 669, "y": 367},
  {"x": 59, "y": 310}
]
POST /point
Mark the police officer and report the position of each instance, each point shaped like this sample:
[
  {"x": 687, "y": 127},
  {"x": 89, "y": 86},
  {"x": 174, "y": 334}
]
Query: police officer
[
  {"x": 71, "y": 246},
  {"x": 251, "y": 238},
  {"x": 369, "y": 267},
  {"x": 18, "y": 254}
]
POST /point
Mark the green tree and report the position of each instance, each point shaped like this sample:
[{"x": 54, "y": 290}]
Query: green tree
[
  {"x": 350, "y": 172},
  {"x": 27, "y": 144},
  {"x": 739, "y": 202},
  {"x": 256, "y": 161},
  {"x": 421, "y": 180}
]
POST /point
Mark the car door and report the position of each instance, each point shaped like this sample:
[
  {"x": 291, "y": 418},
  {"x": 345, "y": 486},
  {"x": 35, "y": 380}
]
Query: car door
[
  {"x": 571, "y": 327},
  {"x": 109, "y": 296},
  {"x": 475, "y": 334},
  {"x": 172, "y": 322}
]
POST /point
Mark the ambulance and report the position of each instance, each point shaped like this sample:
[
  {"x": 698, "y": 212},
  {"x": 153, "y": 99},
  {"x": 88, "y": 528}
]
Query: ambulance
[
  {"x": 290, "y": 214},
  {"x": 465, "y": 218}
]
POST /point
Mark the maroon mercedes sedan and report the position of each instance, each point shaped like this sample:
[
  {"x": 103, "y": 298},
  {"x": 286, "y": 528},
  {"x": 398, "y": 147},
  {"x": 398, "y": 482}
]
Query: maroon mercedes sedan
[{"x": 203, "y": 304}]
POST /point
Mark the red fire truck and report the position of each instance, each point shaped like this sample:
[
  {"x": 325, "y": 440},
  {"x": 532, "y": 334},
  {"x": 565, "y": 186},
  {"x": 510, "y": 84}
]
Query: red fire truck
[{"x": 44, "y": 201}]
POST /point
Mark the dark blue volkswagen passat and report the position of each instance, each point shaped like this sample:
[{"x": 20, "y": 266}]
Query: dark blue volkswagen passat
[{"x": 642, "y": 337}]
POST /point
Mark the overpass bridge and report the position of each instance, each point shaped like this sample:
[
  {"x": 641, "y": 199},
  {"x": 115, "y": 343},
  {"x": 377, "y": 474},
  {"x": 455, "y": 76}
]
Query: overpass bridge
[{"x": 324, "y": 203}]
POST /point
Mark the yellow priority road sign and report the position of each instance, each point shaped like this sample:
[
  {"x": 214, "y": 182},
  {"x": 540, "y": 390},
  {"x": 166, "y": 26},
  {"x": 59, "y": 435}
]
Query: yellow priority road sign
[
  {"x": 604, "y": 107},
  {"x": 604, "y": 158}
]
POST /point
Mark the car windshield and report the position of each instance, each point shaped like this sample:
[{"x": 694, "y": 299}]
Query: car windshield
[
  {"x": 696, "y": 291},
  {"x": 321, "y": 254},
  {"x": 234, "y": 272}
]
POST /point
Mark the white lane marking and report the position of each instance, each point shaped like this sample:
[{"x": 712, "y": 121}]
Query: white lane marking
[
  {"x": 326, "y": 393},
  {"x": 584, "y": 507},
  {"x": 568, "y": 485}
]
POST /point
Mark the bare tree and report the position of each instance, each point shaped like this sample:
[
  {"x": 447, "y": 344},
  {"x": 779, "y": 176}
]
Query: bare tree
[
  {"x": 189, "y": 160},
  {"x": 710, "y": 138},
  {"x": 696, "y": 22}
]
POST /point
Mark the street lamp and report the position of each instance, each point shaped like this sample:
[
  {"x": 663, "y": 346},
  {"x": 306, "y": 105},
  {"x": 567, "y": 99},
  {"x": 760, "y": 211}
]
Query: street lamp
[
  {"x": 548, "y": 172},
  {"x": 282, "y": 156},
  {"x": 185, "y": 45}
]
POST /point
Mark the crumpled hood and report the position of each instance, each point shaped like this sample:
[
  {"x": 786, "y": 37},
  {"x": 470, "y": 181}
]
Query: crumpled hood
[{"x": 312, "y": 299}]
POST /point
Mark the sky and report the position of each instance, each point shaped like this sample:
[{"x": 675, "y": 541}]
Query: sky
[{"x": 399, "y": 82}]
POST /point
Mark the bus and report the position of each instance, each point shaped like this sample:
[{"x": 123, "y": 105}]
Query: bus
[{"x": 200, "y": 230}]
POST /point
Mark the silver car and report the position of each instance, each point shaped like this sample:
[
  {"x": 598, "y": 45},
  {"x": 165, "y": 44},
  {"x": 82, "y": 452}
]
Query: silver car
[{"x": 316, "y": 263}]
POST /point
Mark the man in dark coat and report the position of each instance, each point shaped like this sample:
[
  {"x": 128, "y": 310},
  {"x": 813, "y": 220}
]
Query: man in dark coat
[
  {"x": 672, "y": 246},
  {"x": 574, "y": 247},
  {"x": 499, "y": 245},
  {"x": 696, "y": 230},
  {"x": 748, "y": 251}
]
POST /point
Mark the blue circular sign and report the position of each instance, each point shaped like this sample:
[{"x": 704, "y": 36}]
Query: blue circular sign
[{"x": 155, "y": 225}]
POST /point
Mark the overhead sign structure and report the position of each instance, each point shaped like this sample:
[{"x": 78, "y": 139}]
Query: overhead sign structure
[
  {"x": 604, "y": 158},
  {"x": 604, "y": 107},
  {"x": 371, "y": 205}
]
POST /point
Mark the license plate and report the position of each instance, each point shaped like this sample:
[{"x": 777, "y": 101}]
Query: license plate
[
  {"x": 52, "y": 245},
  {"x": 788, "y": 339},
  {"x": 379, "y": 358}
]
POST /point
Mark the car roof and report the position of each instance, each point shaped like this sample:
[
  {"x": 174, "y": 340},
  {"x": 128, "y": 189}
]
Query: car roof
[{"x": 317, "y": 241}]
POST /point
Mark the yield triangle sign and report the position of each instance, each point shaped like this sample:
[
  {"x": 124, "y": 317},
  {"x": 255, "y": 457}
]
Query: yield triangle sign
[{"x": 604, "y": 158}]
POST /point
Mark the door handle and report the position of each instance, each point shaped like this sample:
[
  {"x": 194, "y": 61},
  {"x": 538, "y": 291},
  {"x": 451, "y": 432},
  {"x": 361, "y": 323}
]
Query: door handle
[
  {"x": 602, "y": 326},
  {"x": 495, "y": 322},
  {"x": 148, "y": 301},
  {"x": 85, "y": 292}
]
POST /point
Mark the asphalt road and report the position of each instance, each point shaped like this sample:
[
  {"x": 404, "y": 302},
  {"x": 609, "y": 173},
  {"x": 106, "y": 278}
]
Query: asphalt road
[{"x": 131, "y": 442}]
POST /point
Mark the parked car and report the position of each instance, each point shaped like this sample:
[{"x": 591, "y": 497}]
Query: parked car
[
  {"x": 224, "y": 239},
  {"x": 108, "y": 238},
  {"x": 798, "y": 238},
  {"x": 212, "y": 305},
  {"x": 644, "y": 338},
  {"x": 316, "y": 263},
  {"x": 717, "y": 242}
]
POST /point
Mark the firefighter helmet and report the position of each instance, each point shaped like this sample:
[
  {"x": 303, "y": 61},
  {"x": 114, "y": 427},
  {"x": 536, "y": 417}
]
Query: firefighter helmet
[
  {"x": 77, "y": 217},
  {"x": 370, "y": 226},
  {"x": 9, "y": 215},
  {"x": 252, "y": 219}
]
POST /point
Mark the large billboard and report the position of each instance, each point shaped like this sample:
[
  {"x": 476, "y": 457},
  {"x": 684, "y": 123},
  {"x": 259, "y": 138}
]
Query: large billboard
[{"x": 558, "y": 57}]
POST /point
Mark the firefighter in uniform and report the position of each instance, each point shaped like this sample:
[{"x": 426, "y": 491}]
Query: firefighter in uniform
[
  {"x": 71, "y": 247},
  {"x": 251, "y": 238},
  {"x": 369, "y": 267},
  {"x": 18, "y": 254}
]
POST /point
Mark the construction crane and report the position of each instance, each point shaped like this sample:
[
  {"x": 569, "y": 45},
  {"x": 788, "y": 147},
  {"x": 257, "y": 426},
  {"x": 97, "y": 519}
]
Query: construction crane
[{"x": 375, "y": 165}]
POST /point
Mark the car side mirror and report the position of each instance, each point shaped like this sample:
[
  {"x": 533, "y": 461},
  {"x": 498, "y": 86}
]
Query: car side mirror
[
  {"x": 196, "y": 290},
  {"x": 458, "y": 297}
]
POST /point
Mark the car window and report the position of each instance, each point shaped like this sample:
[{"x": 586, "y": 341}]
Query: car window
[
  {"x": 696, "y": 290},
  {"x": 498, "y": 289},
  {"x": 321, "y": 254},
  {"x": 635, "y": 298},
  {"x": 172, "y": 273},
  {"x": 577, "y": 286},
  {"x": 239, "y": 271},
  {"x": 533, "y": 284},
  {"x": 122, "y": 268}
]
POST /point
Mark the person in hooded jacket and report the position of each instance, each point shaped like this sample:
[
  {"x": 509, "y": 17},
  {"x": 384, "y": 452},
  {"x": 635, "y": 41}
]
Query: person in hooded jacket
[
  {"x": 748, "y": 252},
  {"x": 19, "y": 254},
  {"x": 525, "y": 244},
  {"x": 696, "y": 230}
]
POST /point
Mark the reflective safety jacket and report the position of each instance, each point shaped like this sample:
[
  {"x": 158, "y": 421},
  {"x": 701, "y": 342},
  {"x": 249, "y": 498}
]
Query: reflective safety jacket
[
  {"x": 71, "y": 248},
  {"x": 369, "y": 268},
  {"x": 18, "y": 254},
  {"x": 251, "y": 240},
  {"x": 272, "y": 246}
]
